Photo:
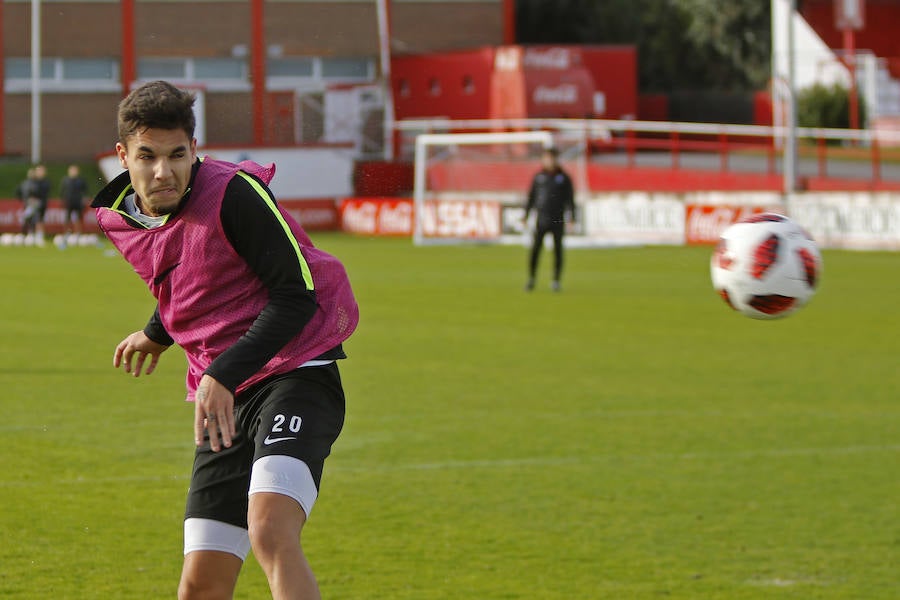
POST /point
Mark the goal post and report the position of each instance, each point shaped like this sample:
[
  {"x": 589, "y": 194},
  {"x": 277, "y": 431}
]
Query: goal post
[{"x": 471, "y": 187}]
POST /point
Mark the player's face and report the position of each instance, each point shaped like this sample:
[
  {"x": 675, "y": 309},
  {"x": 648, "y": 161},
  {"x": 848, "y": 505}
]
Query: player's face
[
  {"x": 549, "y": 161},
  {"x": 159, "y": 162}
]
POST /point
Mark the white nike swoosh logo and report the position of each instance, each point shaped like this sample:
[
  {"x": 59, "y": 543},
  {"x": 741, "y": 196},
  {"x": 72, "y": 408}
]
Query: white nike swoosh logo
[{"x": 269, "y": 440}]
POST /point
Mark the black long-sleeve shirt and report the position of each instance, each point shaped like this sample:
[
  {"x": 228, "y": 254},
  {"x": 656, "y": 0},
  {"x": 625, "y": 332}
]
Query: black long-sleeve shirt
[
  {"x": 552, "y": 195},
  {"x": 256, "y": 235}
]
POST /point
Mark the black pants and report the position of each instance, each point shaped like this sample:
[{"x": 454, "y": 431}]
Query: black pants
[{"x": 556, "y": 229}]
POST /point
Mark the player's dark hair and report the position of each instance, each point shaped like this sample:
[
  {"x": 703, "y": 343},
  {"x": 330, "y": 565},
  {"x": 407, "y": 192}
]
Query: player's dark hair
[
  {"x": 156, "y": 105},
  {"x": 552, "y": 151}
]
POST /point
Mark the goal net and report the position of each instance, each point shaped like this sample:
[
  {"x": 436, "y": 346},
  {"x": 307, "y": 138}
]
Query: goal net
[{"x": 472, "y": 187}]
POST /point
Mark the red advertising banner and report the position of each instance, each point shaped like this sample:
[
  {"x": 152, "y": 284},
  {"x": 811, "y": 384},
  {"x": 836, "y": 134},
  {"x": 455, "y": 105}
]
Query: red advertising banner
[
  {"x": 704, "y": 223},
  {"x": 377, "y": 216},
  {"x": 471, "y": 220},
  {"x": 314, "y": 215}
]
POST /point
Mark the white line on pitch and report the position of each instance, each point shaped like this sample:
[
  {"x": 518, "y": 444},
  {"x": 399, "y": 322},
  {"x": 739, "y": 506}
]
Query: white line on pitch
[
  {"x": 576, "y": 460},
  {"x": 501, "y": 463}
]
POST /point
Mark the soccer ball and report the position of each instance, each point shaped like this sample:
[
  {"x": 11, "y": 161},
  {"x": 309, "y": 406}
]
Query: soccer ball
[{"x": 766, "y": 266}]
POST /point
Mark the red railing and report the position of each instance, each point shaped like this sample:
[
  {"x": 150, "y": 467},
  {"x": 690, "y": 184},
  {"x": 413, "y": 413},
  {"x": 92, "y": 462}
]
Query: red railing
[{"x": 818, "y": 149}]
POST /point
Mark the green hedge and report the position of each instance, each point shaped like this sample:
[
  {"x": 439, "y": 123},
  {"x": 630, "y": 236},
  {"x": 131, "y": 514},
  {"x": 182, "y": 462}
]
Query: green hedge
[{"x": 827, "y": 106}]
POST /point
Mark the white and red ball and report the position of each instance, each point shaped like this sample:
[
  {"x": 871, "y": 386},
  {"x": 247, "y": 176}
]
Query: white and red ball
[{"x": 766, "y": 266}]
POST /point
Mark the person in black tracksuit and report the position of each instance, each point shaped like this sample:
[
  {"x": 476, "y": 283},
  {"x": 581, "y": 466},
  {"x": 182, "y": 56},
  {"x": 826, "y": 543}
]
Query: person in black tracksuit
[{"x": 552, "y": 197}]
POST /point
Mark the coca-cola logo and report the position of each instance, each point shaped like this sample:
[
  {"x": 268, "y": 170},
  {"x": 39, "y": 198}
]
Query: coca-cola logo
[
  {"x": 395, "y": 219},
  {"x": 377, "y": 217},
  {"x": 359, "y": 217},
  {"x": 561, "y": 94},
  {"x": 551, "y": 58},
  {"x": 706, "y": 223}
]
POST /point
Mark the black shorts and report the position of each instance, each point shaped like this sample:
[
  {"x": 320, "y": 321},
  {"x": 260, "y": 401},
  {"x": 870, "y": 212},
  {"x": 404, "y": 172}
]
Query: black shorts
[{"x": 297, "y": 414}]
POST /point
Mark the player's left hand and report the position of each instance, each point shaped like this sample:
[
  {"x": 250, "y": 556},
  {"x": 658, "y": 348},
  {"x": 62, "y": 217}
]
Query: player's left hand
[{"x": 213, "y": 413}]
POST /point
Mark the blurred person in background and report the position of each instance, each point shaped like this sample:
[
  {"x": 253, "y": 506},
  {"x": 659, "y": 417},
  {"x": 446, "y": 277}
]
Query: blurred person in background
[
  {"x": 552, "y": 198},
  {"x": 30, "y": 203},
  {"x": 40, "y": 190},
  {"x": 73, "y": 192}
]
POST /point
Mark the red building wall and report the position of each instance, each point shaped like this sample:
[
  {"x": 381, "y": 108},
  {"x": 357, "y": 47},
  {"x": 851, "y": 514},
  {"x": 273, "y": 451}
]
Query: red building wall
[
  {"x": 452, "y": 84},
  {"x": 879, "y": 33},
  {"x": 615, "y": 72},
  {"x": 517, "y": 82}
]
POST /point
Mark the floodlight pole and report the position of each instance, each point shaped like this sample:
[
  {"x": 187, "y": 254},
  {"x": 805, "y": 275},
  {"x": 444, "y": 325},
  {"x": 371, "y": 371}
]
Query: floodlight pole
[
  {"x": 35, "y": 81},
  {"x": 129, "y": 70},
  {"x": 384, "y": 43},
  {"x": 850, "y": 61},
  {"x": 2, "y": 87},
  {"x": 258, "y": 70},
  {"x": 790, "y": 144}
]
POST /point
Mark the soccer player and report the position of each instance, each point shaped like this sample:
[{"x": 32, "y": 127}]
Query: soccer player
[
  {"x": 72, "y": 191},
  {"x": 552, "y": 197},
  {"x": 261, "y": 315}
]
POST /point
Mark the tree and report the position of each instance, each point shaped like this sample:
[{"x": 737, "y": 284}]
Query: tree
[
  {"x": 826, "y": 106},
  {"x": 682, "y": 44}
]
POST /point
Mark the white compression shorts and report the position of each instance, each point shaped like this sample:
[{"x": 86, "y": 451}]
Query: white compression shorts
[{"x": 276, "y": 474}]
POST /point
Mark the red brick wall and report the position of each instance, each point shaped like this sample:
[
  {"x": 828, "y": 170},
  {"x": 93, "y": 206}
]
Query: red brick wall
[
  {"x": 74, "y": 126},
  {"x": 77, "y": 29},
  {"x": 77, "y": 125},
  {"x": 433, "y": 26}
]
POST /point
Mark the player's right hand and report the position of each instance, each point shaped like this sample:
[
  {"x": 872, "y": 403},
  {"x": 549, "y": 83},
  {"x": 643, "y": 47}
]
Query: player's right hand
[{"x": 132, "y": 353}]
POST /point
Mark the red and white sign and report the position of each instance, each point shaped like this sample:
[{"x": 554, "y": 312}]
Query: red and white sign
[
  {"x": 849, "y": 14},
  {"x": 313, "y": 215},
  {"x": 555, "y": 58},
  {"x": 855, "y": 220},
  {"x": 472, "y": 220},
  {"x": 635, "y": 217},
  {"x": 704, "y": 223},
  {"x": 377, "y": 216}
]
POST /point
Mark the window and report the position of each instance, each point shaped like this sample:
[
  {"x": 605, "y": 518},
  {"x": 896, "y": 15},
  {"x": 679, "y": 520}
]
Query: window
[
  {"x": 468, "y": 85},
  {"x": 20, "y": 68},
  {"x": 219, "y": 73},
  {"x": 161, "y": 68},
  {"x": 64, "y": 74},
  {"x": 225, "y": 73},
  {"x": 220, "y": 68},
  {"x": 346, "y": 68},
  {"x": 89, "y": 68},
  {"x": 290, "y": 67}
]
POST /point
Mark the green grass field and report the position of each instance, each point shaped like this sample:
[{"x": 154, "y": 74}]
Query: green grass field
[{"x": 628, "y": 438}]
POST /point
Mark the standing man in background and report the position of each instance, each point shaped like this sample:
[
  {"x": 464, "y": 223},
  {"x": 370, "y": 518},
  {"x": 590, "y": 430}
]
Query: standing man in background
[
  {"x": 72, "y": 191},
  {"x": 30, "y": 204},
  {"x": 552, "y": 197},
  {"x": 40, "y": 190}
]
